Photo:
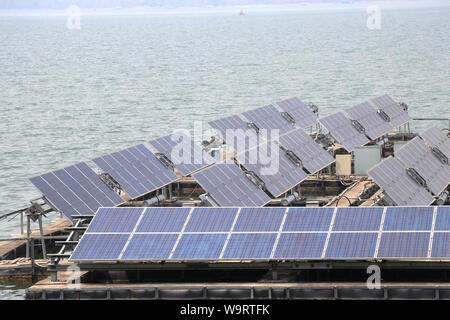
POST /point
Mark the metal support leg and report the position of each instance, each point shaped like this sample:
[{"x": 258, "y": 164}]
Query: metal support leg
[
  {"x": 32, "y": 256},
  {"x": 21, "y": 222},
  {"x": 28, "y": 237},
  {"x": 44, "y": 251}
]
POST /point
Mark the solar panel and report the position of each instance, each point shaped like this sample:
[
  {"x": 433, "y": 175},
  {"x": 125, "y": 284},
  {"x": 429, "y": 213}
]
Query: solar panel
[
  {"x": 396, "y": 114},
  {"x": 259, "y": 219},
  {"x": 206, "y": 220},
  {"x": 137, "y": 170},
  {"x": 312, "y": 155},
  {"x": 368, "y": 117},
  {"x": 183, "y": 152},
  {"x": 273, "y": 166},
  {"x": 358, "y": 219},
  {"x": 441, "y": 245},
  {"x": 442, "y": 219},
  {"x": 229, "y": 186},
  {"x": 408, "y": 219},
  {"x": 269, "y": 118},
  {"x": 75, "y": 190},
  {"x": 302, "y": 115},
  {"x": 236, "y": 133},
  {"x": 404, "y": 245},
  {"x": 392, "y": 177},
  {"x": 200, "y": 246},
  {"x": 351, "y": 245},
  {"x": 415, "y": 154},
  {"x": 250, "y": 246},
  {"x": 142, "y": 234},
  {"x": 437, "y": 138},
  {"x": 342, "y": 130},
  {"x": 308, "y": 219},
  {"x": 300, "y": 246},
  {"x": 100, "y": 247},
  {"x": 150, "y": 247},
  {"x": 163, "y": 219}
]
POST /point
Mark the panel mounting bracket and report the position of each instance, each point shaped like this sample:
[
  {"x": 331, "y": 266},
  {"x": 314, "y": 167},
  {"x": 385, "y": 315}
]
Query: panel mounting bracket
[
  {"x": 255, "y": 179},
  {"x": 288, "y": 117},
  {"x": 358, "y": 126},
  {"x": 416, "y": 177},
  {"x": 383, "y": 115},
  {"x": 294, "y": 158},
  {"x": 110, "y": 181},
  {"x": 440, "y": 155},
  {"x": 165, "y": 161},
  {"x": 253, "y": 126}
]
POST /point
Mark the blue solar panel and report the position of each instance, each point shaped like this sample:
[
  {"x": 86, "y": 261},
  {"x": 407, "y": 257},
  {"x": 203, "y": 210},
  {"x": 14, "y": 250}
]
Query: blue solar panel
[
  {"x": 302, "y": 114},
  {"x": 250, "y": 246},
  {"x": 300, "y": 245},
  {"x": 211, "y": 220},
  {"x": 408, "y": 219},
  {"x": 272, "y": 165},
  {"x": 270, "y": 119},
  {"x": 150, "y": 247},
  {"x": 184, "y": 153},
  {"x": 351, "y": 245},
  {"x": 358, "y": 219},
  {"x": 137, "y": 170},
  {"x": 229, "y": 186},
  {"x": 54, "y": 197},
  {"x": 442, "y": 219},
  {"x": 200, "y": 246},
  {"x": 308, "y": 219},
  {"x": 259, "y": 219},
  {"x": 404, "y": 245},
  {"x": 115, "y": 220},
  {"x": 163, "y": 220},
  {"x": 100, "y": 247},
  {"x": 441, "y": 245}
]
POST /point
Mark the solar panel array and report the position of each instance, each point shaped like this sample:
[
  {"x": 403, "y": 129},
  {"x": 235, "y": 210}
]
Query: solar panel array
[
  {"x": 437, "y": 138},
  {"x": 303, "y": 116},
  {"x": 137, "y": 170},
  {"x": 396, "y": 114},
  {"x": 312, "y": 155},
  {"x": 270, "y": 119},
  {"x": 229, "y": 186},
  {"x": 236, "y": 133},
  {"x": 340, "y": 127},
  {"x": 391, "y": 176},
  {"x": 76, "y": 190},
  {"x": 183, "y": 152},
  {"x": 367, "y": 116},
  {"x": 272, "y": 165},
  {"x": 415, "y": 154},
  {"x": 223, "y": 234}
]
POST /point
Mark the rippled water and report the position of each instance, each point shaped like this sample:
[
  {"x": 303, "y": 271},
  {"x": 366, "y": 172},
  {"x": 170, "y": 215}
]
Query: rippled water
[{"x": 69, "y": 95}]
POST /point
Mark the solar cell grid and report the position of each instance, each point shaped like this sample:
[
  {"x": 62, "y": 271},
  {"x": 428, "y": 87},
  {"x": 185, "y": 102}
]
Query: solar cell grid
[
  {"x": 396, "y": 114},
  {"x": 269, "y": 118},
  {"x": 115, "y": 220},
  {"x": 163, "y": 219},
  {"x": 442, "y": 219},
  {"x": 150, "y": 247},
  {"x": 259, "y": 219},
  {"x": 229, "y": 186},
  {"x": 200, "y": 246},
  {"x": 271, "y": 164},
  {"x": 404, "y": 245},
  {"x": 300, "y": 245},
  {"x": 358, "y": 219},
  {"x": 441, "y": 245},
  {"x": 207, "y": 220},
  {"x": 308, "y": 219},
  {"x": 415, "y": 154},
  {"x": 367, "y": 116},
  {"x": 302, "y": 114},
  {"x": 437, "y": 138},
  {"x": 351, "y": 245},
  {"x": 391, "y": 176},
  {"x": 408, "y": 219},
  {"x": 184, "y": 153},
  {"x": 250, "y": 246},
  {"x": 343, "y": 131},
  {"x": 313, "y": 156},
  {"x": 100, "y": 247}
]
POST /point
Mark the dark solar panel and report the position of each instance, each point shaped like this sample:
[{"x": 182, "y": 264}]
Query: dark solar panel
[
  {"x": 397, "y": 115},
  {"x": 302, "y": 114},
  {"x": 368, "y": 117}
]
